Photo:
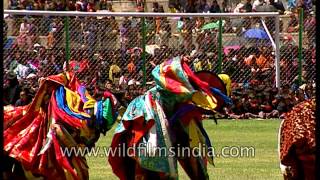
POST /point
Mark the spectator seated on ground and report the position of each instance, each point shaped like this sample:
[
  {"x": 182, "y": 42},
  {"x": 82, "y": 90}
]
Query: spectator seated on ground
[{"x": 264, "y": 101}]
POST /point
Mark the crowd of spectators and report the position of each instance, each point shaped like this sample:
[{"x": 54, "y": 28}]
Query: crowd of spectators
[
  {"x": 61, "y": 5},
  {"x": 257, "y": 97},
  {"x": 120, "y": 69},
  {"x": 262, "y": 100},
  {"x": 254, "y": 99},
  {"x": 199, "y": 6}
]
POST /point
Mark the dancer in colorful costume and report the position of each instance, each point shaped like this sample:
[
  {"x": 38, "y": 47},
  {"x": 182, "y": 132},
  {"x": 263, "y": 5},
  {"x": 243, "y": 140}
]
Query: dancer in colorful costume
[
  {"x": 61, "y": 116},
  {"x": 168, "y": 116},
  {"x": 297, "y": 146}
]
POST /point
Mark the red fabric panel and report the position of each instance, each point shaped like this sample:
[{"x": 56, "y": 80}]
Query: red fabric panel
[{"x": 192, "y": 77}]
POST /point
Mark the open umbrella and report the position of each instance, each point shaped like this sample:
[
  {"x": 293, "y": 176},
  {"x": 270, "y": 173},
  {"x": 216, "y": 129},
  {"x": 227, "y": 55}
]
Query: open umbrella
[
  {"x": 227, "y": 49},
  {"x": 213, "y": 25},
  {"x": 256, "y": 34}
]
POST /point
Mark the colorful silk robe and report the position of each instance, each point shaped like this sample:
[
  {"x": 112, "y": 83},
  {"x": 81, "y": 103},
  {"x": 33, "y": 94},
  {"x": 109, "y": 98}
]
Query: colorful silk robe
[
  {"x": 166, "y": 116},
  {"x": 62, "y": 115}
]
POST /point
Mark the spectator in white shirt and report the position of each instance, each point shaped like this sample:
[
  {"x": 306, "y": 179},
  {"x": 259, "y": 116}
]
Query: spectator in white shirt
[
  {"x": 257, "y": 3},
  {"x": 239, "y": 8},
  {"x": 22, "y": 71},
  {"x": 24, "y": 27}
]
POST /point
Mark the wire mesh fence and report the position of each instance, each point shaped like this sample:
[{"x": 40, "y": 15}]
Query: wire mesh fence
[
  {"x": 297, "y": 48},
  {"x": 116, "y": 48}
]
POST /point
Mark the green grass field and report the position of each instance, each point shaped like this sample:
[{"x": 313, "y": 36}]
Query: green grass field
[{"x": 260, "y": 134}]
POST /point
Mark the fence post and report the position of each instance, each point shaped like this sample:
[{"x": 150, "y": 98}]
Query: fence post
[
  {"x": 220, "y": 47},
  {"x": 67, "y": 40},
  {"x": 144, "y": 51},
  {"x": 300, "y": 45},
  {"x": 277, "y": 51},
  {"x": 145, "y": 6}
]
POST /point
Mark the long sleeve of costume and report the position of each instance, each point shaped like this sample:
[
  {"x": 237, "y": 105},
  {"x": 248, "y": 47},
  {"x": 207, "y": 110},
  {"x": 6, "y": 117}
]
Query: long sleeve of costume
[
  {"x": 227, "y": 81},
  {"x": 62, "y": 116}
]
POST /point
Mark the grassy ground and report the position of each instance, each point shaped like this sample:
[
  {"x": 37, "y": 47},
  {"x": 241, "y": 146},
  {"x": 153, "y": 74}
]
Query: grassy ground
[{"x": 260, "y": 134}]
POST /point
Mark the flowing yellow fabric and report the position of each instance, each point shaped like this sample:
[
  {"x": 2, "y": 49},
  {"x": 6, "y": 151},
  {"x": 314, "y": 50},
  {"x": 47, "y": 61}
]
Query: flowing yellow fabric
[
  {"x": 73, "y": 101},
  {"x": 193, "y": 134},
  {"x": 227, "y": 81},
  {"x": 204, "y": 101}
]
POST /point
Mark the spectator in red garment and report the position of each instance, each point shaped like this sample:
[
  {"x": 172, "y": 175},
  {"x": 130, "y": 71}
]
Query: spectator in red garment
[
  {"x": 91, "y": 7},
  {"x": 78, "y": 66},
  {"x": 253, "y": 104},
  {"x": 83, "y": 5},
  {"x": 78, "y": 7}
]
